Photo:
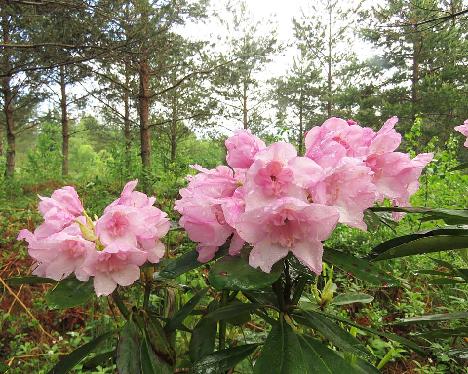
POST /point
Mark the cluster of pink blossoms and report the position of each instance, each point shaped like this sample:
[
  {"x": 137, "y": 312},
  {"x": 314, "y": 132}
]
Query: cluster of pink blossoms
[
  {"x": 111, "y": 249},
  {"x": 463, "y": 129},
  {"x": 280, "y": 202}
]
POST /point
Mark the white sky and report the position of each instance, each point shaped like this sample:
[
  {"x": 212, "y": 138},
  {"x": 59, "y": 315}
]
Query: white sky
[{"x": 276, "y": 14}]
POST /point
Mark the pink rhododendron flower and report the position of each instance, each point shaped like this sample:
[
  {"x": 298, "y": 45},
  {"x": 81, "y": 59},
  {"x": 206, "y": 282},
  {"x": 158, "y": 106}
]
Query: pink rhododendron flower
[
  {"x": 202, "y": 207},
  {"x": 117, "y": 264},
  {"x": 464, "y": 130},
  {"x": 288, "y": 224},
  {"x": 280, "y": 203},
  {"x": 133, "y": 220},
  {"x": 59, "y": 211},
  {"x": 132, "y": 198},
  {"x": 335, "y": 139},
  {"x": 60, "y": 254},
  {"x": 111, "y": 249},
  {"x": 242, "y": 148},
  {"x": 386, "y": 139},
  {"x": 278, "y": 172},
  {"x": 120, "y": 224},
  {"x": 349, "y": 188},
  {"x": 396, "y": 175}
]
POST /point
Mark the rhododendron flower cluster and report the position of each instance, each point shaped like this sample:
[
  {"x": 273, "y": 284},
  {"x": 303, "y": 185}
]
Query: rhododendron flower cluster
[
  {"x": 280, "y": 202},
  {"x": 110, "y": 249},
  {"x": 463, "y": 129}
]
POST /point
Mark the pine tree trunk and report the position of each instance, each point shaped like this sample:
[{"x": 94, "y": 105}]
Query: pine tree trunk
[
  {"x": 127, "y": 130},
  {"x": 1, "y": 139},
  {"x": 174, "y": 127},
  {"x": 64, "y": 121},
  {"x": 245, "y": 119},
  {"x": 145, "y": 134},
  {"x": 415, "y": 75},
  {"x": 8, "y": 107}
]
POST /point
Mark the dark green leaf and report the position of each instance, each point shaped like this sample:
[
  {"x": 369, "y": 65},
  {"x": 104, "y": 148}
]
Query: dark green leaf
[
  {"x": 150, "y": 363},
  {"x": 350, "y": 298},
  {"x": 434, "y": 317},
  {"x": 320, "y": 359},
  {"x": 100, "y": 359},
  {"x": 221, "y": 361},
  {"x": 156, "y": 336},
  {"x": 462, "y": 166},
  {"x": 231, "y": 310},
  {"x": 202, "y": 342},
  {"x": 461, "y": 354},
  {"x": 281, "y": 353},
  {"x": 235, "y": 273},
  {"x": 424, "y": 242},
  {"x": 69, "y": 293},
  {"x": 68, "y": 362},
  {"x": 330, "y": 330},
  {"x": 188, "y": 261},
  {"x": 443, "y": 333},
  {"x": 128, "y": 354},
  {"x": 450, "y": 216},
  {"x": 17, "y": 281},
  {"x": 3, "y": 368},
  {"x": 241, "y": 317},
  {"x": 390, "y": 336},
  {"x": 183, "y": 312},
  {"x": 358, "y": 267},
  {"x": 423, "y": 245}
]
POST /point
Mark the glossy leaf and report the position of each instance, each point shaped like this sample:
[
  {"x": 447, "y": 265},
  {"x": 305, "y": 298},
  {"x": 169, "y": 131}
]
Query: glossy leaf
[
  {"x": 462, "y": 166},
  {"x": 69, "y": 293},
  {"x": 331, "y": 331},
  {"x": 450, "y": 216},
  {"x": 157, "y": 338},
  {"x": 100, "y": 359},
  {"x": 231, "y": 310},
  {"x": 351, "y": 298},
  {"x": 128, "y": 354},
  {"x": 174, "y": 267},
  {"x": 320, "y": 359},
  {"x": 434, "y": 317},
  {"x": 68, "y": 362},
  {"x": 17, "y": 281},
  {"x": 281, "y": 353},
  {"x": 221, "y": 361},
  {"x": 235, "y": 273},
  {"x": 202, "y": 342},
  {"x": 402, "y": 243},
  {"x": 390, "y": 336},
  {"x": 185, "y": 311},
  {"x": 425, "y": 245},
  {"x": 149, "y": 362},
  {"x": 358, "y": 267},
  {"x": 461, "y": 354},
  {"x": 443, "y": 333}
]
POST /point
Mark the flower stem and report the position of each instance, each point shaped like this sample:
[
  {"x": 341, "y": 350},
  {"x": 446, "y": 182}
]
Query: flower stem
[
  {"x": 222, "y": 323},
  {"x": 120, "y": 304}
]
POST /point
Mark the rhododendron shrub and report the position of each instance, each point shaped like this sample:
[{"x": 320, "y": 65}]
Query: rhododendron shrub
[
  {"x": 258, "y": 224},
  {"x": 110, "y": 249},
  {"x": 463, "y": 129},
  {"x": 280, "y": 202}
]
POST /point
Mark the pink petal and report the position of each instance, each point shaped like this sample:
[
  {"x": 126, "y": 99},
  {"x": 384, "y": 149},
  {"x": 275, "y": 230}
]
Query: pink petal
[
  {"x": 103, "y": 284},
  {"x": 236, "y": 245},
  {"x": 126, "y": 276},
  {"x": 265, "y": 254},
  {"x": 310, "y": 254}
]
